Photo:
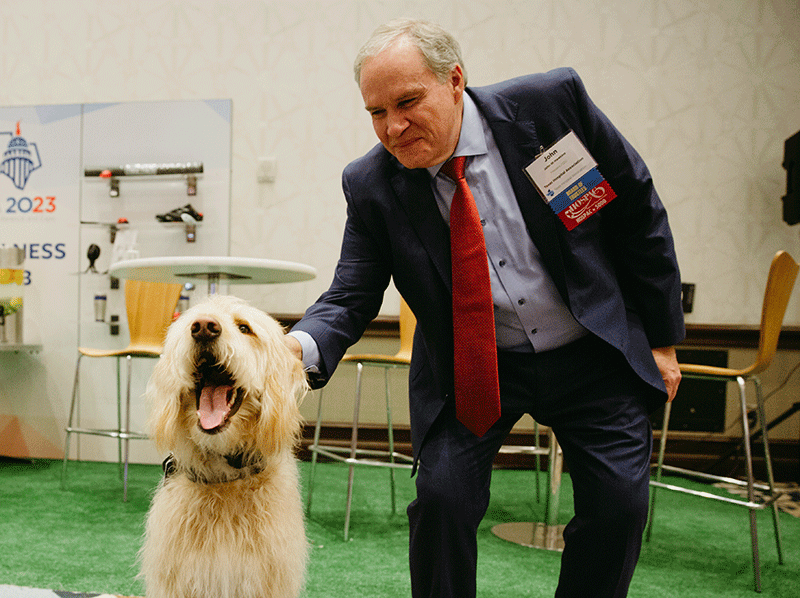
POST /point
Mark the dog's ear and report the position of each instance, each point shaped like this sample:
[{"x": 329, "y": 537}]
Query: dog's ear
[
  {"x": 164, "y": 409},
  {"x": 164, "y": 394},
  {"x": 280, "y": 420}
]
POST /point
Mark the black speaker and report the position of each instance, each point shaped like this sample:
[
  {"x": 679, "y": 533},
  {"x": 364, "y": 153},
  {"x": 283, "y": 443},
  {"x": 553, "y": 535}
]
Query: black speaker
[{"x": 791, "y": 162}]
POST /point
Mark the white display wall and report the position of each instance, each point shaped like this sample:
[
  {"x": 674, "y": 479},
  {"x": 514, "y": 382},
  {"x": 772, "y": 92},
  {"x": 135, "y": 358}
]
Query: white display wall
[{"x": 58, "y": 213}]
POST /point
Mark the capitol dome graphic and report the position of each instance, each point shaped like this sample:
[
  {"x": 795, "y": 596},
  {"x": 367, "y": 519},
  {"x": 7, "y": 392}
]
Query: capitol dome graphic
[{"x": 18, "y": 161}]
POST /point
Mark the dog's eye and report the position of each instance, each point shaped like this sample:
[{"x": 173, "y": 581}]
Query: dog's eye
[{"x": 244, "y": 328}]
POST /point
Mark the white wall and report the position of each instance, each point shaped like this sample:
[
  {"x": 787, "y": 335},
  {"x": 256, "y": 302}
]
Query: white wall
[{"x": 707, "y": 90}]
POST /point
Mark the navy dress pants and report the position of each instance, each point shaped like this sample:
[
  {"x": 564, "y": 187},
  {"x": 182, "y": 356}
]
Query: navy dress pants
[{"x": 598, "y": 408}]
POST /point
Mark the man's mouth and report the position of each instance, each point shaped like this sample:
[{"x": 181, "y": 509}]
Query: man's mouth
[{"x": 406, "y": 143}]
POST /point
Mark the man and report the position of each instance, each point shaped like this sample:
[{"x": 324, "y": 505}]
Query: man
[{"x": 584, "y": 319}]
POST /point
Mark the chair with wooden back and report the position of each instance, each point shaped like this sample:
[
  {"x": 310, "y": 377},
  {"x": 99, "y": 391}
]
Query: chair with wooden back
[
  {"x": 355, "y": 455},
  {"x": 149, "y": 307},
  {"x": 780, "y": 282}
]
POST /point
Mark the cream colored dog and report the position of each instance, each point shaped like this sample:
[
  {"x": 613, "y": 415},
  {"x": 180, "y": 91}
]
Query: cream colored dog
[{"x": 226, "y": 520}]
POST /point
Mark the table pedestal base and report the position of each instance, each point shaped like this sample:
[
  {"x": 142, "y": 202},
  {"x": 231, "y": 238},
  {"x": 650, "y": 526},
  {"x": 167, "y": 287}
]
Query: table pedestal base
[{"x": 532, "y": 534}]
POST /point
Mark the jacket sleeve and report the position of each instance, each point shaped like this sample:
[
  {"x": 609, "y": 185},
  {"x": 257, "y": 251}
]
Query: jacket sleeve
[{"x": 341, "y": 314}]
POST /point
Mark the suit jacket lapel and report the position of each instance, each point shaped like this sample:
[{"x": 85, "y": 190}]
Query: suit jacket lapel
[{"x": 413, "y": 188}]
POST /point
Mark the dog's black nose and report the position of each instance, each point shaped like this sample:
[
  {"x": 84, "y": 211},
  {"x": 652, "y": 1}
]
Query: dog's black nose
[{"x": 205, "y": 329}]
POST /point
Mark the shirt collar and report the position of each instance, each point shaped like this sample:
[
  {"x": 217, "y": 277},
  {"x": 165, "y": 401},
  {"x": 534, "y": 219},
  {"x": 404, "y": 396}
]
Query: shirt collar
[{"x": 471, "y": 141}]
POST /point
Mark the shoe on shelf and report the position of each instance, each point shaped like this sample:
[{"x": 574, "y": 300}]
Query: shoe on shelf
[{"x": 175, "y": 215}]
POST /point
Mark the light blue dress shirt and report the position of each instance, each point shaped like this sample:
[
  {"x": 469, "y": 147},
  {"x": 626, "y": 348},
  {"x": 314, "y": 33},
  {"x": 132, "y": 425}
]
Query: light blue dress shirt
[{"x": 528, "y": 311}]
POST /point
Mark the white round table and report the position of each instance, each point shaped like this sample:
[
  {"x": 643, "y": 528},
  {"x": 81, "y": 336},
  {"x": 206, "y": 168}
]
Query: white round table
[{"x": 214, "y": 269}]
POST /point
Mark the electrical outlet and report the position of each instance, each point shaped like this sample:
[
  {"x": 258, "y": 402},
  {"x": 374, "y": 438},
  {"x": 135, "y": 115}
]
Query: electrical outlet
[
  {"x": 267, "y": 170},
  {"x": 687, "y": 297}
]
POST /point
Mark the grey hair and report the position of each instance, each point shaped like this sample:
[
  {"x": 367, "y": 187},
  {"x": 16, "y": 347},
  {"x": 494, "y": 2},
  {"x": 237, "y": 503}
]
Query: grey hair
[{"x": 439, "y": 49}]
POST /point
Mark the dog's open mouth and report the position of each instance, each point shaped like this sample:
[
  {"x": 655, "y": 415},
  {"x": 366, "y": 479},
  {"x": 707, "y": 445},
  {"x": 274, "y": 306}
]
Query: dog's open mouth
[{"x": 218, "y": 399}]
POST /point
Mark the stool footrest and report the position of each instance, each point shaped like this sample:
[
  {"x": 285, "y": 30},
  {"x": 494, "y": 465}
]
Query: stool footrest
[
  {"x": 513, "y": 449},
  {"x": 732, "y": 501},
  {"x": 714, "y": 478},
  {"x": 336, "y": 452},
  {"x": 113, "y": 433}
]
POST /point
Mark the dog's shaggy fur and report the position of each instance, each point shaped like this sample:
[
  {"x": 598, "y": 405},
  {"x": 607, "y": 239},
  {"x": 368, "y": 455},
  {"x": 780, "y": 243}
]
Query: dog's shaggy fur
[{"x": 226, "y": 521}]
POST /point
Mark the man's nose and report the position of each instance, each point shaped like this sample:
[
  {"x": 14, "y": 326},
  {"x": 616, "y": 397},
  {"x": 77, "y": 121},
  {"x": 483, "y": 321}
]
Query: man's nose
[{"x": 396, "y": 123}]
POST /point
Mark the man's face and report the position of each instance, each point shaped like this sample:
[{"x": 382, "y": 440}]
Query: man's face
[{"x": 417, "y": 118}]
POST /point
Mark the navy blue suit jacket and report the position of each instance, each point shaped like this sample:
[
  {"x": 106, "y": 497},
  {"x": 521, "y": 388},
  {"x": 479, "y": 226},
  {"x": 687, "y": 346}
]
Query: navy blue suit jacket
[{"x": 617, "y": 271}]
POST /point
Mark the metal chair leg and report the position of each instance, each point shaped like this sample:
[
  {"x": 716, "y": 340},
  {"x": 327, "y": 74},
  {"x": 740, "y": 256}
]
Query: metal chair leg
[
  {"x": 122, "y": 432},
  {"x": 391, "y": 438},
  {"x": 313, "y": 448},
  {"x": 354, "y": 456},
  {"x": 125, "y": 433},
  {"x": 661, "y": 451},
  {"x": 70, "y": 420},
  {"x": 768, "y": 462},
  {"x": 750, "y": 481},
  {"x": 120, "y": 468},
  {"x": 554, "y": 468},
  {"x": 538, "y": 460},
  {"x": 353, "y": 451}
]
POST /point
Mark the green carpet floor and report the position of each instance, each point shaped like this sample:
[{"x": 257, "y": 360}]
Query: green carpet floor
[{"x": 85, "y": 538}]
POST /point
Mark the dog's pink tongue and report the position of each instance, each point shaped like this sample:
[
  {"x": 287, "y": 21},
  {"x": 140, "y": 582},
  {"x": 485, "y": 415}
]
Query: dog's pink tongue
[{"x": 213, "y": 407}]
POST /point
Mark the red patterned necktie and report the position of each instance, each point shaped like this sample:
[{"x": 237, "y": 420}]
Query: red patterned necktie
[{"x": 475, "y": 348}]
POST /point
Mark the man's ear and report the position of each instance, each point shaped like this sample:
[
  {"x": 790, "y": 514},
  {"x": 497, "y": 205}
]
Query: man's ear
[{"x": 456, "y": 79}]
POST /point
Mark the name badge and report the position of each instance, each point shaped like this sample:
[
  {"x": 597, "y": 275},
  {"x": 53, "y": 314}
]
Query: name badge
[{"x": 567, "y": 178}]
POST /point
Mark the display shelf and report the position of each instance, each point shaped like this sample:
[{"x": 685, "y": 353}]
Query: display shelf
[{"x": 19, "y": 348}]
